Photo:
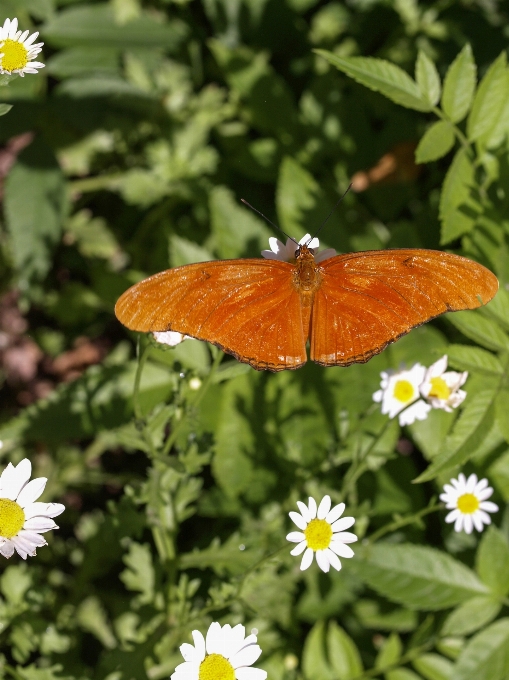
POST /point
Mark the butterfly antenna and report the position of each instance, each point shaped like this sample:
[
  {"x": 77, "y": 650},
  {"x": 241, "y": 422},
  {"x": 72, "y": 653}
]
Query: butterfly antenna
[
  {"x": 328, "y": 216},
  {"x": 269, "y": 221}
]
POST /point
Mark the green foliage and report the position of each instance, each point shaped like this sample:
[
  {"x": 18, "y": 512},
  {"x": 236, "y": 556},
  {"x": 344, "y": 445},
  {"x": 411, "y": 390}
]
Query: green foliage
[{"x": 129, "y": 153}]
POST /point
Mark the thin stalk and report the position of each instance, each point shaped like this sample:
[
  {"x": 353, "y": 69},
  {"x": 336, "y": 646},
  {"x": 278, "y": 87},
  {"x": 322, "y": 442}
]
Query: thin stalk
[{"x": 402, "y": 522}]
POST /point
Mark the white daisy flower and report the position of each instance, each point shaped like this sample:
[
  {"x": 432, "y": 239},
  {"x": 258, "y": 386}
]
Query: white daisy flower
[
  {"x": 286, "y": 253},
  {"x": 171, "y": 338},
  {"x": 323, "y": 533},
  {"x": 466, "y": 498},
  {"x": 441, "y": 388},
  {"x": 400, "y": 390},
  {"x": 22, "y": 520},
  {"x": 17, "y": 50},
  {"x": 225, "y": 654}
]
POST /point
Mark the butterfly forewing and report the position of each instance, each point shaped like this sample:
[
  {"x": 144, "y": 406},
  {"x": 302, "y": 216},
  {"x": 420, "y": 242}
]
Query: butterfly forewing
[
  {"x": 249, "y": 308},
  {"x": 367, "y": 300}
]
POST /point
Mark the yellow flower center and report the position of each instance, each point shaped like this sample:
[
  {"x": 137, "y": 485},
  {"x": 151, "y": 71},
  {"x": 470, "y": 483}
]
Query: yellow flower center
[
  {"x": 439, "y": 389},
  {"x": 403, "y": 391},
  {"x": 12, "y": 518},
  {"x": 468, "y": 503},
  {"x": 14, "y": 55},
  {"x": 216, "y": 667},
  {"x": 318, "y": 534}
]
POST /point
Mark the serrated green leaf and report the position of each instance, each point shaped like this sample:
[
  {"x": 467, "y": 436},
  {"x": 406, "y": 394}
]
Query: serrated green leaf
[
  {"x": 427, "y": 78},
  {"x": 139, "y": 575},
  {"x": 471, "y": 615},
  {"x": 343, "y": 654},
  {"x": 314, "y": 665},
  {"x": 35, "y": 205},
  {"x": 489, "y": 100},
  {"x": 486, "y": 656},
  {"x": 435, "y": 143},
  {"x": 468, "y": 434},
  {"x": 467, "y": 358},
  {"x": 382, "y": 76},
  {"x": 390, "y": 652},
  {"x": 222, "y": 558},
  {"x": 492, "y": 561},
  {"x": 417, "y": 576},
  {"x": 434, "y": 667},
  {"x": 459, "y": 85},
  {"x": 296, "y": 193},
  {"x": 480, "y": 329},
  {"x": 92, "y": 617},
  {"x": 458, "y": 212},
  {"x": 498, "y": 308}
]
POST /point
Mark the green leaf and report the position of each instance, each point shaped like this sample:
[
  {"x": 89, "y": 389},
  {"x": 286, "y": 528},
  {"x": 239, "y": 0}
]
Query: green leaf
[
  {"x": 402, "y": 674},
  {"x": 139, "y": 575},
  {"x": 296, "y": 193},
  {"x": 434, "y": 667},
  {"x": 390, "y": 652},
  {"x": 5, "y": 108},
  {"x": 427, "y": 78},
  {"x": 489, "y": 100},
  {"x": 498, "y": 308},
  {"x": 35, "y": 205},
  {"x": 480, "y": 329},
  {"x": 501, "y": 414},
  {"x": 222, "y": 558},
  {"x": 459, "y": 85},
  {"x": 492, "y": 561},
  {"x": 435, "y": 143},
  {"x": 468, "y": 434},
  {"x": 183, "y": 251},
  {"x": 314, "y": 665},
  {"x": 344, "y": 656},
  {"x": 471, "y": 615},
  {"x": 458, "y": 212},
  {"x": 95, "y": 25},
  {"x": 486, "y": 656},
  {"x": 417, "y": 576},
  {"x": 467, "y": 358},
  {"x": 382, "y": 76},
  {"x": 92, "y": 618}
]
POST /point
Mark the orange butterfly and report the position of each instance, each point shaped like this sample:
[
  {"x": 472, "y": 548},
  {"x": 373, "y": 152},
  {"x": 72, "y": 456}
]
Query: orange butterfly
[{"x": 263, "y": 311}]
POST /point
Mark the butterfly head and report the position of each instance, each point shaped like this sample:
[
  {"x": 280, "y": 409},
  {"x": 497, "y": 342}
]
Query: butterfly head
[{"x": 293, "y": 251}]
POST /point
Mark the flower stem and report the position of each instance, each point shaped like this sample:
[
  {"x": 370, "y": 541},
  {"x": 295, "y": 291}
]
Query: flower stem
[{"x": 404, "y": 521}]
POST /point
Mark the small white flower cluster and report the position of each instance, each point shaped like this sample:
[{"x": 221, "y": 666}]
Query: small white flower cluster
[{"x": 412, "y": 393}]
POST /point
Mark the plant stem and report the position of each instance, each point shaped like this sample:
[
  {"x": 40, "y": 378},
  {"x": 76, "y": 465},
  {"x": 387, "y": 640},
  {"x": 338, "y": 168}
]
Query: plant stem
[{"x": 403, "y": 521}]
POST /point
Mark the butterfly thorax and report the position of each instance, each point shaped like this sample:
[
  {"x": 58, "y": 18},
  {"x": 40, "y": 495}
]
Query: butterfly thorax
[{"x": 307, "y": 277}]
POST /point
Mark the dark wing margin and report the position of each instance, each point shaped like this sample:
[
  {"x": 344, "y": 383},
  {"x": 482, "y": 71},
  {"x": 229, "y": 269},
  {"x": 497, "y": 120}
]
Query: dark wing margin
[
  {"x": 370, "y": 299},
  {"x": 249, "y": 308}
]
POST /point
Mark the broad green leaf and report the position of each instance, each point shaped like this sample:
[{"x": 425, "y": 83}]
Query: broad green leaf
[
  {"x": 435, "y": 143},
  {"x": 468, "y": 358},
  {"x": 480, "y": 329},
  {"x": 35, "y": 205},
  {"x": 498, "y": 472},
  {"x": 459, "y": 85},
  {"x": 468, "y": 434},
  {"x": 314, "y": 665},
  {"x": 430, "y": 433},
  {"x": 434, "y": 667},
  {"x": 223, "y": 558},
  {"x": 372, "y": 616},
  {"x": 471, "y": 615},
  {"x": 402, "y": 674},
  {"x": 236, "y": 230},
  {"x": 92, "y": 25},
  {"x": 458, "y": 212},
  {"x": 5, "y": 108},
  {"x": 492, "y": 561},
  {"x": 489, "y": 100},
  {"x": 501, "y": 413},
  {"x": 390, "y": 652},
  {"x": 486, "y": 656},
  {"x": 139, "y": 575},
  {"x": 296, "y": 193},
  {"x": 182, "y": 251},
  {"x": 427, "y": 78},
  {"x": 344, "y": 656},
  {"x": 382, "y": 76},
  {"x": 416, "y": 576},
  {"x": 77, "y": 61},
  {"x": 498, "y": 308}
]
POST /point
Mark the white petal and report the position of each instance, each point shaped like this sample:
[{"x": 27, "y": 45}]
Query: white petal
[
  {"x": 43, "y": 510},
  {"x": 458, "y": 524},
  {"x": 7, "y": 549},
  {"x": 471, "y": 483},
  {"x": 298, "y": 520},
  {"x": 295, "y": 537},
  {"x": 40, "y": 524},
  {"x": 31, "y": 39},
  {"x": 477, "y": 520},
  {"x": 304, "y": 511},
  {"x": 213, "y": 642},
  {"x": 343, "y": 523},
  {"x": 322, "y": 560},
  {"x": 188, "y": 652},
  {"x": 468, "y": 524},
  {"x": 345, "y": 537},
  {"x": 13, "y": 479},
  {"x": 378, "y": 396},
  {"x": 32, "y": 491},
  {"x": 246, "y": 656},
  {"x": 333, "y": 559},
  {"x": 417, "y": 411},
  {"x": 188, "y": 670},
  {"x": 335, "y": 513},
  {"x": 306, "y": 559},
  {"x": 324, "y": 507},
  {"x": 341, "y": 549},
  {"x": 250, "y": 674},
  {"x": 488, "y": 506},
  {"x": 453, "y": 516},
  {"x": 299, "y": 549},
  {"x": 312, "y": 507},
  {"x": 325, "y": 255}
]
